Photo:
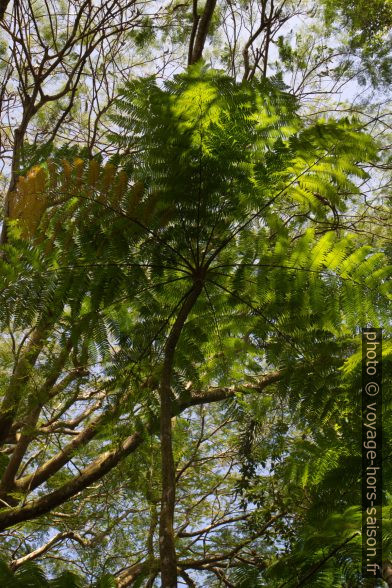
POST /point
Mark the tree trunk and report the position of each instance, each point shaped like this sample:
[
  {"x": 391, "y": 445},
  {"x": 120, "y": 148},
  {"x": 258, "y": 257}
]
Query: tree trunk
[
  {"x": 201, "y": 24},
  {"x": 166, "y": 534}
]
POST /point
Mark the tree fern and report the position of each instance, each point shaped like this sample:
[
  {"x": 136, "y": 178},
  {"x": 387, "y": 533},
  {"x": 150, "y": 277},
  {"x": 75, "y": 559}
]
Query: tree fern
[{"x": 206, "y": 253}]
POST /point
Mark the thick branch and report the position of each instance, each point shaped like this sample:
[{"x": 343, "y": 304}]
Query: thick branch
[
  {"x": 196, "y": 19},
  {"x": 108, "y": 460},
  {"x": 203, "y": 24},
  {"x": 93, "y": 472},
  {"x": 16, "y": 563}
]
